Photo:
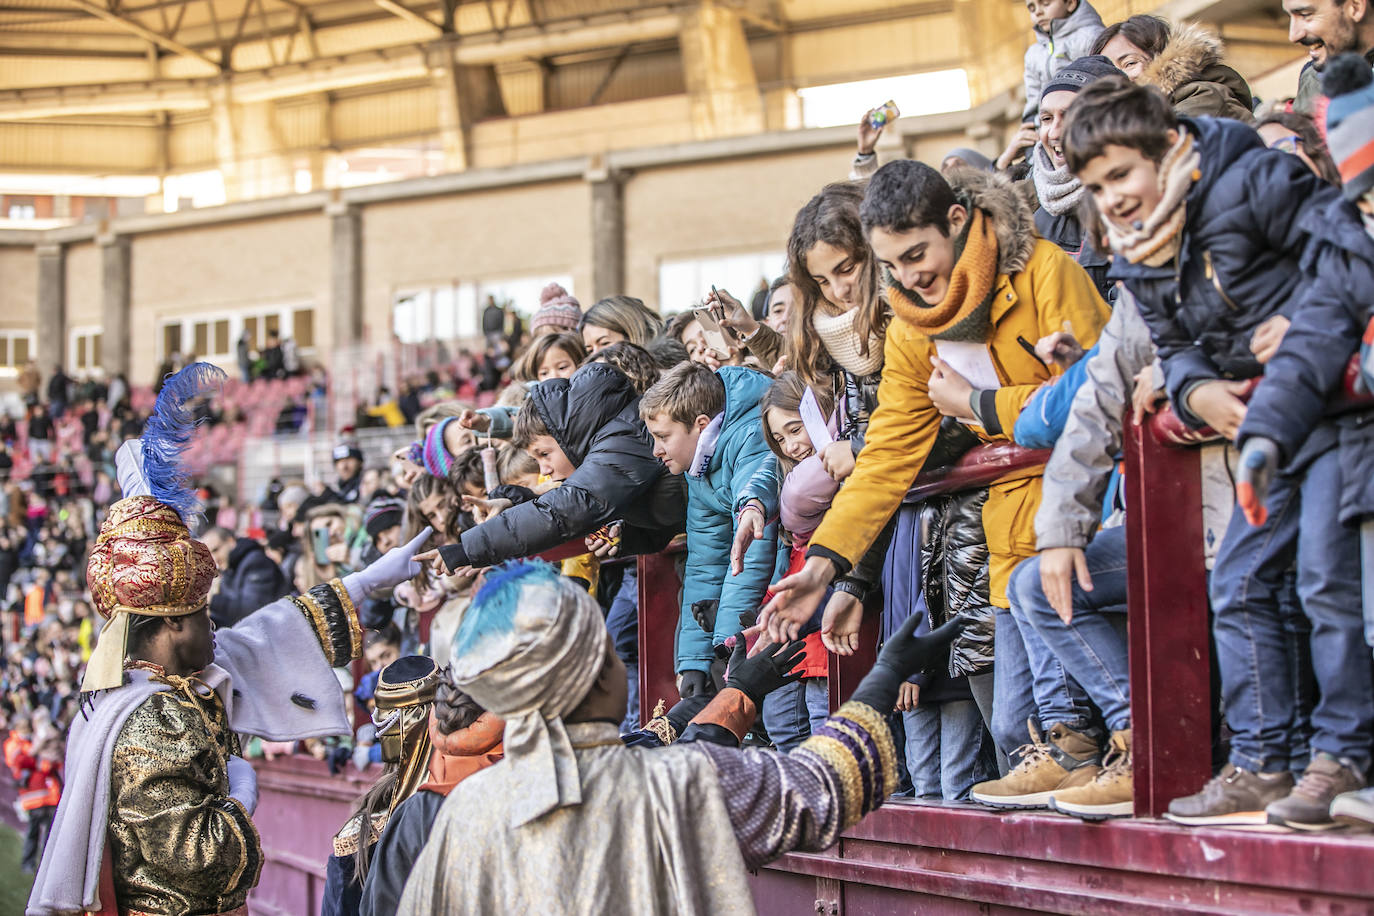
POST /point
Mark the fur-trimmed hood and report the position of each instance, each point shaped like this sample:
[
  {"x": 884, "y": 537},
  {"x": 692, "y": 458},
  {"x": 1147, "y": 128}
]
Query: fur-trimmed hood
[
  {"x": 1190, "y": 68},
  {"x": 1013, "y": 219}
]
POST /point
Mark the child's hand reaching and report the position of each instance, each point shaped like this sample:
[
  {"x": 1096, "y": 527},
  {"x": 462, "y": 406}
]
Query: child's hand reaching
[
  {"x": 840, "y": 623},
  {"x": 838, "y": 460},
  {"x": 471, "y": 419},
  {"x": 748, "y": 529},
  {"x": 1060, "y": 348}
]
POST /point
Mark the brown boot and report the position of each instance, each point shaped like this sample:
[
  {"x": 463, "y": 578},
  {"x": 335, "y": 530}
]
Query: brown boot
[
  {"x": 1067, "y": 760},
  {"x": 1111, "y": 794}
]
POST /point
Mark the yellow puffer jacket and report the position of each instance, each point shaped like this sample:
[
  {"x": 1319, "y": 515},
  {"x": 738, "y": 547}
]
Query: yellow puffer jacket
[{"x": 1050, "y": 290}]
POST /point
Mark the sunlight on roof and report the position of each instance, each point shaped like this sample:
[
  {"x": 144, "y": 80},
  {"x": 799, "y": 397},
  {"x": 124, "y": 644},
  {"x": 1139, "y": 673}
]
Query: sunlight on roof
[{"x": 915, "y": 94}]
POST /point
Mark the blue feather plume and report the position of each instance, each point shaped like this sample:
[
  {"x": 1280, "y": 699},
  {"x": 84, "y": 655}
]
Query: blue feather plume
[
  {"x": 494, "y": 606},
  {"x": 168, "y": 432}
]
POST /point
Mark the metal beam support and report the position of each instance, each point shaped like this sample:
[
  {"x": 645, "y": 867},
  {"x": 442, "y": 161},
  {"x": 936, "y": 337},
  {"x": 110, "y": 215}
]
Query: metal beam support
[
  {"x": 409, "y": 15},
  {"x": 144, "y": 32}
]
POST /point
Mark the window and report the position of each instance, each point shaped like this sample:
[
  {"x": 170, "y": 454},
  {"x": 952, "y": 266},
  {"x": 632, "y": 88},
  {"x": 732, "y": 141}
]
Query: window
[
  {"x": 15, "y": 347},
  {"x": 171, "y": 339},
  {"x": 453, "y": 311},
  {"x": 684, "y": 282},
  {"x": 303, "y": 327},
  {"x": 22, "y": 211},
  {"x": 216, "y": 338},
  {"x": 83, "y": 348}
]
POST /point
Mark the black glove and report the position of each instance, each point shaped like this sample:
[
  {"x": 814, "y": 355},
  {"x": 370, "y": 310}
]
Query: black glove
[
  {"x": 770, "y": 668},
  {"x": 454, "y": 556},
  {"x": 704, "y": 613},
  {"x": 694, "y": 683},
  {"x": 684, "y": 711},
  {"x": 902, "y": 656}
]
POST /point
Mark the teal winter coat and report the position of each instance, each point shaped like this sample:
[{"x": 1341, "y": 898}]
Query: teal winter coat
[{"x": 741, "y": 468}]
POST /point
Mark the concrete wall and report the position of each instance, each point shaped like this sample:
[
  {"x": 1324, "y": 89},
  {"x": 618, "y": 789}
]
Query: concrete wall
[
  {"x": 18, "y": 287},
  {"x": 489, "y": 234},
  {"x": 217, "y": 269}
]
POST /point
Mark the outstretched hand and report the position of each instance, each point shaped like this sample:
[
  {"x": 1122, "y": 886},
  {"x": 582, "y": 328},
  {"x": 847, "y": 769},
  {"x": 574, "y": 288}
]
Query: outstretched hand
[
  {"x": 794, "y": 600},
  {"x": 748, "y": 529},
  {"x": 766, "y": 670},
  {"x": 396, "y": 565},
  {"x": 902, "y": 656}
]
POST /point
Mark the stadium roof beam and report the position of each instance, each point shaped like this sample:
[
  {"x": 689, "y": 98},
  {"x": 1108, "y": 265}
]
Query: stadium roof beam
[{"x": 145, "y": 33}]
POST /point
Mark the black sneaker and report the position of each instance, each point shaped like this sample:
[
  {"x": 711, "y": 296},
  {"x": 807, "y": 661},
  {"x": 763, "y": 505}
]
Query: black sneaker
[
  {"x": 1234, "y": 797},
  {"x": 1308, "y": 806}
]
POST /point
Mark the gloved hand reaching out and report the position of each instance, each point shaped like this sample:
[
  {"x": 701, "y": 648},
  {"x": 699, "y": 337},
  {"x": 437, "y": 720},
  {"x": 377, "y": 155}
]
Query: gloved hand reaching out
[
  {"x": 902, "y": 656},
  {"x": 396, "y": 565},
  {"x": 767, "y": 670}
]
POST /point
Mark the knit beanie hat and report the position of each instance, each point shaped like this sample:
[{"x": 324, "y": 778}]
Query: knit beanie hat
[
  {"x": 437, "y": 459},
  {"x": 557, "y": 308},
  {"x": 1349, "y": 83},
  {"x": 383, "y": 513},
  {"x": 1079, "y": 73}
]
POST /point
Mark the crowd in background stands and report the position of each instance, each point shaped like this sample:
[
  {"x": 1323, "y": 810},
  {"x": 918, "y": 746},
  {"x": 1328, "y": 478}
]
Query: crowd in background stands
[{"x": 801, "y": 406}]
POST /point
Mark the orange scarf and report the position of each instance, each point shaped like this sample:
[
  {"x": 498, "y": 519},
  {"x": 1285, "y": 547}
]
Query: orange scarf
[
  {"x": 459, "y": 755},
  {"x": 963, "y": 313}
]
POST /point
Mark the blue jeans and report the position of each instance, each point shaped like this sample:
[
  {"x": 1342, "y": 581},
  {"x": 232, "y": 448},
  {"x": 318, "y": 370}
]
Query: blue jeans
[
  {"x": 817, "y": 700},
  {"x": 1029, "y": 682},
  {"x": 1090, "y": 648},
  {"x": 1253, "y": 642},
  {"x": 622, "y": 620},
  {"x": 786, "y": 716},
  {"x": 942, "y": 748},
  {"x": 631, "y": 722}
]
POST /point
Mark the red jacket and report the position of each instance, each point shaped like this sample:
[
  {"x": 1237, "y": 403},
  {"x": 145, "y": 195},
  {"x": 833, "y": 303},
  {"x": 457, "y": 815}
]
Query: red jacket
[{"x": 44, "y": 788}]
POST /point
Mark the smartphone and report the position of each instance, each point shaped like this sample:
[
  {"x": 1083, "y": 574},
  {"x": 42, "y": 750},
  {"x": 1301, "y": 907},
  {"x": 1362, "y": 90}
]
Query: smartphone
[
  {"x": 319, "y": 539},
  {"x": 718, "y": 310},
  {"x": 714, "y": 333}
]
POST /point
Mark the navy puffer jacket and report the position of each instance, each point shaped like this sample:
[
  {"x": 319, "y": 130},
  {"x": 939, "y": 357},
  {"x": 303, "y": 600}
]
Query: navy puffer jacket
[
  {"x": 1307, "y": 370},
  {"x": 594, "y": 417},
  {"x": 1239, "y": 259}
]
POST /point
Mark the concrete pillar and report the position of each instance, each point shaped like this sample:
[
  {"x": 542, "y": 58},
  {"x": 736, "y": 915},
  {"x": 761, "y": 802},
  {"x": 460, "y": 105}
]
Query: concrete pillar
[
  {"x": 115, "y": 303},
  {"x": 608, "y": 231},
  {"x": 721, "y": 85},
  {"x": 52, "y": 308},
  {"x": 226, "y": 141},
  {"x": 345, "y": 274},
  {"x": 248, "y": 147},
  {"x": 994, "y": 38},
  {"x": 463, "y": 94}
]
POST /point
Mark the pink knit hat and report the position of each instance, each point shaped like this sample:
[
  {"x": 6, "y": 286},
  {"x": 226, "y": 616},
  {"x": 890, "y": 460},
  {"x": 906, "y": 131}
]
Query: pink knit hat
[{"x": 557, "y": 309}]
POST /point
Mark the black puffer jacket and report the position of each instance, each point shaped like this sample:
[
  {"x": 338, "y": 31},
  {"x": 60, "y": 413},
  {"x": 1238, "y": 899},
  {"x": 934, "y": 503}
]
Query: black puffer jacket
[
  {"x": 594, "y": 417},
  {"x": 954, "y": 576},
  {"x": 1239, "y": 260},
  {"x": 251, "y": 581}
]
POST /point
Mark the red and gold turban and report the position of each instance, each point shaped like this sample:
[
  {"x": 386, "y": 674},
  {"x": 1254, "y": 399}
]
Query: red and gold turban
[{"x": 144, "y": 562}]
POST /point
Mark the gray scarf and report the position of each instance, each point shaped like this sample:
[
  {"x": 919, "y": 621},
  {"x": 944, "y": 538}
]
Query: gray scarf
[{"x": 1059, "y": 191}]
